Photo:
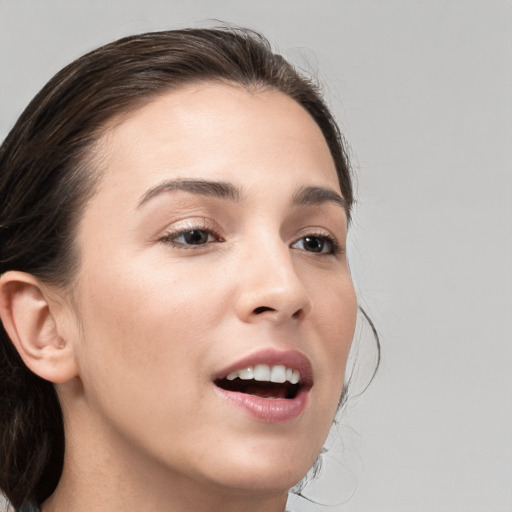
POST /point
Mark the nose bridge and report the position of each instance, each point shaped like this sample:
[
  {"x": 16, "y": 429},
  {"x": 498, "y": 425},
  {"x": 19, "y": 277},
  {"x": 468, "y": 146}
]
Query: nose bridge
[{"x": 269, "y": 284}]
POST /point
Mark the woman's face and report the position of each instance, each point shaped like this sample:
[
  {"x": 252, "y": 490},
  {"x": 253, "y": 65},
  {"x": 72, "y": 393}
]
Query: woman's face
[{"x": 212, "y": 252}]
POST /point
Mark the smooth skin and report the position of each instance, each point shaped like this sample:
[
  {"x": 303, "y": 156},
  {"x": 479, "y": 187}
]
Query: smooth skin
[{"x": 176, "y": 283}]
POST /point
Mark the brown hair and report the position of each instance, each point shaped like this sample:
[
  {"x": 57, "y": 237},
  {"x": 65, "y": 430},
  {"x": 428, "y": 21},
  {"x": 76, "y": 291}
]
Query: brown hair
[{"x": 47, "y": 173}]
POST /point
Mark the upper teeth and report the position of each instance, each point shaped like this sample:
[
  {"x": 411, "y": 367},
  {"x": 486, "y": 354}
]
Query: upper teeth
[{"x": 266, "y": 373}]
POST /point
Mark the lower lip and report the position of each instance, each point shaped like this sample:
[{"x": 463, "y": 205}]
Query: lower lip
[{"x": 268, "y": 410}]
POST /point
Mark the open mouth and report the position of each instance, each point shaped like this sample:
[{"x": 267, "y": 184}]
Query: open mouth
[
  {"x": 261, "y": 389},
  {"x": 265, "y": 381}
]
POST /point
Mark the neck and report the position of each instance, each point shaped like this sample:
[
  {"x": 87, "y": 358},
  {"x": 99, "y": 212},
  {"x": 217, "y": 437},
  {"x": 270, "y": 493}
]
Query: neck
[{"x": 66, "y": 499}]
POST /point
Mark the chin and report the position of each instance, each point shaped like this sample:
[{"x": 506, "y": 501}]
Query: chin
[
  {"x": 256, "y": 482},
  {"x": 269, "y": 471}
]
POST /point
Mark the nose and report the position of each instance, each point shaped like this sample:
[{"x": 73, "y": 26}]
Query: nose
[{"x": 270, "y": 287}]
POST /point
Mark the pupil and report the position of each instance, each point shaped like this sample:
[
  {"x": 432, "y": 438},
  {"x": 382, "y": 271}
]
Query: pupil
[
  {"x": 314, "y": 244},
  {"x": 196, "y": 237}
]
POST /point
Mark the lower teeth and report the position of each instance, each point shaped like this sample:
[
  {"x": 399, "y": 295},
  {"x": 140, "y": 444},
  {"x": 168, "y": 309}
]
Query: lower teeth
[{"x": 268, "y": 390}]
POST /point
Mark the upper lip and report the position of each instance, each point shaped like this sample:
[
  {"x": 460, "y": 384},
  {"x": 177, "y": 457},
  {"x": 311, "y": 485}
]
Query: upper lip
[{"x": 289, "y": 358}]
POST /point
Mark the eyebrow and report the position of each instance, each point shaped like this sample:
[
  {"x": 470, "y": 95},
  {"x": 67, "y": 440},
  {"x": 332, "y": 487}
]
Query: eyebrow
[
  {"x": 219, "y": 189},
  {"x": 315, "y": 196},
  {"x": 305, "y": 196}
]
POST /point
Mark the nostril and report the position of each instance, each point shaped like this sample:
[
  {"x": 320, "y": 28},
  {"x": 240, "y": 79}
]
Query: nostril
[{"x": 262, "y": 309}]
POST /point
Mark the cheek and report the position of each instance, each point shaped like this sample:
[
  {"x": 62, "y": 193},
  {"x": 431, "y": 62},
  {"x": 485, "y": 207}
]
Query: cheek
[
  {"x": 336, "y": 304},
  {"x": 144, "y": 326},
  {"x": 335, "y": 323}
]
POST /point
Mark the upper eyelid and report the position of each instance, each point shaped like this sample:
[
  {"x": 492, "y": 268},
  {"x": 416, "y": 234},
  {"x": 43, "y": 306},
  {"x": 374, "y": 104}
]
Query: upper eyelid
[
  {"x": 184, "y": 225},
  {"x": 181, "y": 231},
  {"x": 318, "y": 231}
]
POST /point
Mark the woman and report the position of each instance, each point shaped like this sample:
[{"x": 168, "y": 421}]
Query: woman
[{"x": 176, "y": 302}]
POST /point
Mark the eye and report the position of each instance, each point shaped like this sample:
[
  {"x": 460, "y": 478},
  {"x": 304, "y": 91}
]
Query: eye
[
  {"x": 321, "y": 244},
  {"x": 190, "y": 237},
  {"x": 193, "y": 237}
]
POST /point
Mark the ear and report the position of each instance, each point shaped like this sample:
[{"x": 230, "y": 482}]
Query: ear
[{"x": 28, "y": 316}]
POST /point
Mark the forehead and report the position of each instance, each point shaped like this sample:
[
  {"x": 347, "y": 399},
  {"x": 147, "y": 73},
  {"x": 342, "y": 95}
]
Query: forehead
[{"x": 218, "y": 131}]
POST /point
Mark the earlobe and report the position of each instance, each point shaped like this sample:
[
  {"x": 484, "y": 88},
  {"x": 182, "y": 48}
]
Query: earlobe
[{"x": 28, "y": 318}]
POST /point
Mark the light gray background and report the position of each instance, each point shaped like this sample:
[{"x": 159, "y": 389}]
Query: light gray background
[{"x": 422, "y": 91}]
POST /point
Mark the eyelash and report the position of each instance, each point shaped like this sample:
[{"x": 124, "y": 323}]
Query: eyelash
[{"x": 170, "y": 238}]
